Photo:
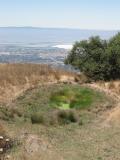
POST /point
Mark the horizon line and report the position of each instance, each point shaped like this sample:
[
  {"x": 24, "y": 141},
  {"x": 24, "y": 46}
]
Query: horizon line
[{"x": 68, "y": 28}]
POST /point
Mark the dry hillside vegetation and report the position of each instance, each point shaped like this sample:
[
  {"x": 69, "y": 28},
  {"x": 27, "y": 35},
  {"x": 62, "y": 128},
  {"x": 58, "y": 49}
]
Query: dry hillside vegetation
[
  {"x": 113, "y": 86},
  {"x": 59, "y": 121},
  {"x": 2, "y": 130},
  {"x": 16, "y": 78},
  {"x": 112, "y": 89},
  {"x": 54, "y": 120}
]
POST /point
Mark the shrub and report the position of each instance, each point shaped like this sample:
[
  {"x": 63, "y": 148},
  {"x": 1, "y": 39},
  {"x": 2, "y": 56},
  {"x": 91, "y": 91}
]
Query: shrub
[
  {"x": 9, "y": 114},
  {"x": 67, "y": 116},
  {"x": 59, "y": 117},
  {"x": 37, "y": 118},
  {"x": 97, "y": 59},
  {"x": 72, "y": 116}
]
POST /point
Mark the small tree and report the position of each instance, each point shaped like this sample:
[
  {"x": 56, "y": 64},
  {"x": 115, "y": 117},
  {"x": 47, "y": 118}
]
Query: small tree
[
  {"x": 96, "y": 58},
  {"x": 113, "y": 52}
]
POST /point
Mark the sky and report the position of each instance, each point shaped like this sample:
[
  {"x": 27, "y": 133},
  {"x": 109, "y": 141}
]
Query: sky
[{"x": 83, "y": 14}]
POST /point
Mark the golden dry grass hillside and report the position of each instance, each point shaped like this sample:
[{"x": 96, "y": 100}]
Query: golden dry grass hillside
[
  {"x": 112, "y": 89},
  {"x": 17, "y": 78},
  {"x": 57, "y": 120}
]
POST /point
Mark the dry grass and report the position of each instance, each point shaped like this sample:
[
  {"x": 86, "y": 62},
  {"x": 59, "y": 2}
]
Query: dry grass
[
  {"x": 113, "y": 86},
  {"x": 112, "y": 89},
  {"x": 19, "y": 74},
  {"x": 2, "y": 130},
  {"x": 87, "y": 140},
  {"x": 17, "y": 78}
]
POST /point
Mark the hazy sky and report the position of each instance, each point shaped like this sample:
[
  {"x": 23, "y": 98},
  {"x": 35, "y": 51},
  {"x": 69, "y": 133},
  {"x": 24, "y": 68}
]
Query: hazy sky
[{"x": 84, "y": 14}]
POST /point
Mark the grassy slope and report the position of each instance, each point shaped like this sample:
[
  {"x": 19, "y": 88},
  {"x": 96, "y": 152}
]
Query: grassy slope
[
  {"x": 17, "y": 78},
  {"x": 75, "y": 97},
  {"x": 47, "y": 99},
  {"x": 79, "y": 141}
]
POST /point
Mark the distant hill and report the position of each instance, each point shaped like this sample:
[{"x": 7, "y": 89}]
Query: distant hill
[{"x": 48, "y": 35}]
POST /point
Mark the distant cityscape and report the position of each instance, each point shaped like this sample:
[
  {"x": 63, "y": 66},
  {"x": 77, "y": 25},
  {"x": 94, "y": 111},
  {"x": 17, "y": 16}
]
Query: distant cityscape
[
  {"x": 39, "y": 45},
  {"x": 49, "y": 55}
]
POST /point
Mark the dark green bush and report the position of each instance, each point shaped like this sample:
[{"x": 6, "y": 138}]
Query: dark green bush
[
  {"x": 59, "y": 117},
  {"x": 37, "y": 118},
  {"x": 72, "y": 116},
  {"x": 67, "y": 116},
  {"x": 97, "y": 59}
]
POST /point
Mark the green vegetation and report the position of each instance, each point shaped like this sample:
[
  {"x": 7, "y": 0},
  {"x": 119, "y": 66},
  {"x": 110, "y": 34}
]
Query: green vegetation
[
  {"x": 53, "y": 105},
  {"x": 43, "y": 118},
  {"x": 37, "y": 118},
  {"x": 60, "y": 117},
  {"x": 77, "y": 98},
  {"x": 97, "y": 59},
  {"x": 67, "y": 116}
]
